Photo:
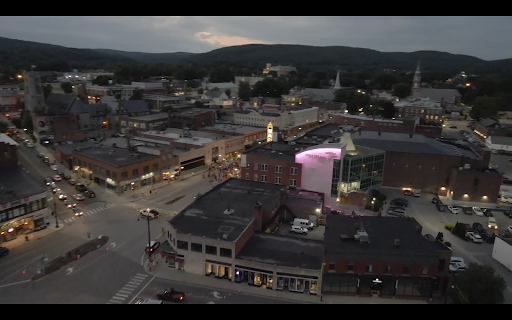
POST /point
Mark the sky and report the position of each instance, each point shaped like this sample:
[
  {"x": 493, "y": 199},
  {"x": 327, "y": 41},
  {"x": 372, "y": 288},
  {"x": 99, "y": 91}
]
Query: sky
[{"x": 488, "y": 38}]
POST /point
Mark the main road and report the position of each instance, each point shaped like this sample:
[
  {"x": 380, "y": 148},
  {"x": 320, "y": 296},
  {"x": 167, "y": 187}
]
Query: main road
[{"x": 102, "y": 274}]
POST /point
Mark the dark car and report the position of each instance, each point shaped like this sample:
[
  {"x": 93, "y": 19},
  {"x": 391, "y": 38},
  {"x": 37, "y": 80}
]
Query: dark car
[
  {"x": 89, "y": 193},
  {"x": 453, "y": 127},
  {"x": 48, "y": 181},
  {"x": 436, "y": 200},
  {"x": 3, "y": 251},
  {"x": 60, "y": 173},
  {"x": 508, "y": 214},
  {"x": 399, "y": 202},
  {"x": 80, "y": 187},
  {"x": 171, "y": 295},
  {"x": 478, "y": 227},
  {"x": 41, "y": 155},
  {"x": 487, "y": 212},
  {"x": 408, "y": 192},
  {"x": 46, "y": 159},
  {"x": 488, "y": 237},
  {"x": 66, "y": 176}
]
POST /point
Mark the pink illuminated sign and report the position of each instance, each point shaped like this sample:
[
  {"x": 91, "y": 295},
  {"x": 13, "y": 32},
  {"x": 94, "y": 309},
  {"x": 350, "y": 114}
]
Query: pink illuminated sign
[{"x": 323, "y": 153}]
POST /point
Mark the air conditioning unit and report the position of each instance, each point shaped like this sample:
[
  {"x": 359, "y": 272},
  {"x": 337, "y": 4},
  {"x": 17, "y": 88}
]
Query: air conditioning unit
[{"x": 225, "y": 236}]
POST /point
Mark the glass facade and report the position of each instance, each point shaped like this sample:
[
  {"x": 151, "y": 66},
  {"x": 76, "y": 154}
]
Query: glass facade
[{"x": 360, "y": 173}]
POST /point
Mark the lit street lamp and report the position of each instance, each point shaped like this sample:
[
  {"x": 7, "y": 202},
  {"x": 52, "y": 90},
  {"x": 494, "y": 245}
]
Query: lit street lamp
[
  {"x": 55, "y": 212},
  {"x": 373, "y": 204}
]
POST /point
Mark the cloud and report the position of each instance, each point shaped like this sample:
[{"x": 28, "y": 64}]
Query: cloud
[{"x": 218, "y": 40}]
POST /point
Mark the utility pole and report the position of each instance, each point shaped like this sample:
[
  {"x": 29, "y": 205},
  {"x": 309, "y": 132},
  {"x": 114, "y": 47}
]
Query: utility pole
[{"x": 149, "y": 238}]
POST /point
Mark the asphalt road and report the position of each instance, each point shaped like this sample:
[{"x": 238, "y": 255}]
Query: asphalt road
[{"x": 433, "y": 221}]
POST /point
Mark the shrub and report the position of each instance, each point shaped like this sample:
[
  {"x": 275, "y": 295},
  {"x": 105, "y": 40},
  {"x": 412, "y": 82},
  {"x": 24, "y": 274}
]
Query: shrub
[
  {"x": 379, "y": 196},
  {"x": 460, "y": 230}
]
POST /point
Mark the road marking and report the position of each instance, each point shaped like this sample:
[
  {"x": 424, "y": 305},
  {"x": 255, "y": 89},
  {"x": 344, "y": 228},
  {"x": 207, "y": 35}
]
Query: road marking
[
  {"x": 133, "y": 282},
  {"x": 141, "y": 290},
  {"x": 142, "y": 275},
  {"x": 139, "y": 277},
  {"x": 113, "y": 301},
  {"x": 122, "y": 295},
  {"x": 130, "y": 286},
  {"x": 129, "y": 289},
  {"x": 18, "y": 258},
  {"x": 125, "y": 292},
  {"x": 118, "y": 298},
  {"x": 12, "y": 284}
]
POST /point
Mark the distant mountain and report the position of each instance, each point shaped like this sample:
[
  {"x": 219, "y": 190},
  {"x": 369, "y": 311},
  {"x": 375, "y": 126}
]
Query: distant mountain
[
  {"x": 149, "y": 57},
  {"x": 21, "y": 54}
]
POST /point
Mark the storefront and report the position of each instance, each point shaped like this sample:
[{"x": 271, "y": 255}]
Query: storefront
[
  {"x": 24, "y": 219},
  {"x": 296, "y": 283},
  {"x": 218, "y": 269},
  {"x": 111, "y": 184},
  {"x": 254, "y": 277},
  {"x": 172, "y": 258},
  {"x": 147, "y": 179}
]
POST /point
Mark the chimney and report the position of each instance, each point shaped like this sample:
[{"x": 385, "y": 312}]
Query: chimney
[
  {"x": 258, "y": 216},
  {"x": 397, "y": 242}
]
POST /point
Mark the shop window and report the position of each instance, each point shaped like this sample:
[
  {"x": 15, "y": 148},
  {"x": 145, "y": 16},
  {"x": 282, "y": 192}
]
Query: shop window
[
  {"x": 183, "y": 245},
  {"x": 387, "y": 269},
  {"x": 248, "y": 166},
  {"x": 211, "y": 250},
  {"x": 369, "y": 268},
  {"x": 405, "y": 270},
  {"x": 145, "y": 169},
  {"x": 135, "y": 172},
  {"x": 332, "y": 266},
  {"x": 350, "y": 267},
  {"x": 424, "y": 271},
  {"x": 155, "y": 166},
  {"x": 225, "y": 253},
  {"x": 196, "y": 247}
]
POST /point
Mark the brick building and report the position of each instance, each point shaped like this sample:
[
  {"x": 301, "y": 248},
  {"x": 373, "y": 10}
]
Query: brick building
[
  {"x": 472, "y": 185},
  {"x": 157, "y": 121},
  {"x": 117, "y": 169},
  {"x": 382, "y": 256},
  {"x": 193, "y": 118},
  {"x": 491, "y": 127},
  {"x": 426, "y": 109},
  {"x": 250, "y": 133},
  {"x": 67, "y": 128},
  {"x": 8, "y": 151}
]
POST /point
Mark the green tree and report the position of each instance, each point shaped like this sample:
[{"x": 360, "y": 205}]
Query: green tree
[
  {"x": 168, "y": 109},
  {"x": 17, "y": 123},
  {"x": 118, "y": 96},
  {"x": 469, "y": 285},
  {"x": 198, "y": 104},
  {"x": 67, "y": 87},
  {"x": 47, "y": 89},
  {"x": 354, "y": 100},
  {"x": 27, "y": 122},
  {"x": 137, "y": 95},
  {"x": 19, "y": 104},
  {"x": 244, "y": 91},
  {"x": 102, "y": 80},
  {"x": 228, "y": 92},
  {"x": 3, "y": 127},
  {"x": 385, "y": 108},
  {"x": 221, "y": 74},
  {"x": 200, "y": 91},
  {"x": 401, "y": 90},
  {"x": 270, "y": 87}
]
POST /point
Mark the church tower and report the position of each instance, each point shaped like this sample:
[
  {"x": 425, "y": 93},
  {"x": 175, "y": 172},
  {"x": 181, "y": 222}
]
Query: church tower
[
  {"x": 337, "y": 86},
  {"x": 416, "y": 81}
]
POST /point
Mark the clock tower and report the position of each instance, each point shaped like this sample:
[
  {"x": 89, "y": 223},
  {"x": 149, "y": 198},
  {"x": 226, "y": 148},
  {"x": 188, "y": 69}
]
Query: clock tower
[{"x": 416, "y": 81}]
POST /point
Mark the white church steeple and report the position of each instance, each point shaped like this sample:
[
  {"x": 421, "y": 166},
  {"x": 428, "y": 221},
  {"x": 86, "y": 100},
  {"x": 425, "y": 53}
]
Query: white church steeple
[
  {"x": 337, "y": 86},
  {"x": 416, "y": 81}
]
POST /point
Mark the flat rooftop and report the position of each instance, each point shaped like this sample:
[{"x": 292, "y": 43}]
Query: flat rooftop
[
  {"x": 205, "y": 216},
  {"x": 404, "y": 142},
  {"x": 7, "y": 140},
  {"x": 362, "y": 151},
  {"x": 201, "y": 134},
  {"x": 177, "y": 136},
  {"x": 151, "y": 117},
  {"x": 413, "y": 247},
  {"x": 325, "y": 130},
  {"x": 236, "y": 128},
  {"x": 283, "y": 251},
  {"x": 192, "y": 112},
  {"x": 16, "y": 184},
  {"x": 275, "y": 150},
  {"x": 118, "y": 158}
]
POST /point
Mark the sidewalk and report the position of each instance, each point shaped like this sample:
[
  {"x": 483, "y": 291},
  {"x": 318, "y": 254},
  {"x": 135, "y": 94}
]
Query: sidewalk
[
  {"x": 20, "y": 240},
  {"x": 161, "y": 270}
]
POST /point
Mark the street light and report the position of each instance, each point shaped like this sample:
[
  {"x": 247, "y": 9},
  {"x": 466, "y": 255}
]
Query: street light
[
  {"x": 373, "y": 204},
  {"x": 55, "y": 212},
  {"x": 149, "y": 238}
]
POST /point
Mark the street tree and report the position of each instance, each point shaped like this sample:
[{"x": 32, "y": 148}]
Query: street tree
[
  {"x": 354, "y": 100},
  {"x": 401, "y": 90},
  {"x": 478, "y": 284},
  {"x": 221, "y": 74},
  {"x": 386, "y": 108},
  {"x": 27, "y": 122},
  {"x": 270, "y": 87},
  {"x": 199, "y": 104},
  {"x": 200, "y": 91},
  {"x": 67, "y": 87},
  {"x": 228, "y": 92},
  {"x": 244, "y": 91},
  {"x": 137, "y": 95}
]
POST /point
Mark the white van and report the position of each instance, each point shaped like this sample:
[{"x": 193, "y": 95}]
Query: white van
[{"x": 303, "y": 223}]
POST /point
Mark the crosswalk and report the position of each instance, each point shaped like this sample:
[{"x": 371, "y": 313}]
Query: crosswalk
[
  {"x": 128, "y": 288},
  {"x": 163, "y": 212},
  {"x": 89, "y": 212}
]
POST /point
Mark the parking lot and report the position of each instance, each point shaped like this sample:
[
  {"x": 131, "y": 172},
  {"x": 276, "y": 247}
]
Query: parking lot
[
  {"x": 316, "y": 234},
  {"x": 433, "y": 221}
]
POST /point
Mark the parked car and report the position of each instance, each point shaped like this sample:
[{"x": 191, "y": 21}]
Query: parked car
[
  {"x": 66, "y": 176},
  {"x": 453, "y": 210},
  {"x": 57, "y": 178},
  {"x": 79, "y": 197},
  {"x": 89, "y": 193},
  {"x": 171, "y": 295},
  {"x": 457, "y": 259},
  {"x": 408, "y": 192},
  {"x": 30, "y": 145},
  {"x": 152, "y": 213},
  {"x": 453, "y": 127},
  {"x": 477, "y": 211},
  {"x": 299, "y": 230},
  {"x": 467, "y": 211},
  {"x": 487, "y": 212},
  {"x": 457, "y": 267},
  {"x": 430, "y": 237},
  {"x": 54, "y": 167},
  {"x": 397, "y": 211},
  {"x": 488, "y": 237},
  {"x": 48, "y": 181},
  {"x": 436, "y": 200},
  {"x": 80, "y": 187},
  {"x": 473, "y": 236},
  {"x": 41, "y": 155},
  {"x": 416, "y": 193},
  {"x": 478, "y": 227},
  {"x": 508, "y": 214},
  {"x": 71, "y": 181},
  {"x": 399, "y": 202},
  {"x": 46, "y": 160}
]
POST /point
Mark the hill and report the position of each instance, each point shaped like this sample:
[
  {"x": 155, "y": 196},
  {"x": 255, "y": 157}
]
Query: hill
[
  {"x": 144, "y": 57},
  {"x": 19, "y": 54}
]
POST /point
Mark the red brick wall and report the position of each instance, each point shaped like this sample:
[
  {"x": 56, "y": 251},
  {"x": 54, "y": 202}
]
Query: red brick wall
[
  {"x": 463, "y": 182},
  {"x": 244, "y": 237},
  {"x": 271, "y": 172},
  {"x": 490, "y": 131},
  {"x": 378, "y": 268},
  {"x": 67, "y": 128},
  {"x": 406, "y": 126},
  {"x": 429, "y": 131}
]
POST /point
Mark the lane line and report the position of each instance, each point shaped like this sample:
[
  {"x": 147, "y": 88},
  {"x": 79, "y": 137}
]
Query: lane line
[
  {"x": 141, "y": 290},
  {"x": 12, "y": 284},
  {"x": 19, "y": 268},
  {"x": 1, "y": 264},
  {"x": 122, "y": 295}
]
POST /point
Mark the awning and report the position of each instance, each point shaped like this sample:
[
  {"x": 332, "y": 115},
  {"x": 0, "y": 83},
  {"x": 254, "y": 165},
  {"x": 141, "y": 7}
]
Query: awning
[{"x": 179, "y": 260}]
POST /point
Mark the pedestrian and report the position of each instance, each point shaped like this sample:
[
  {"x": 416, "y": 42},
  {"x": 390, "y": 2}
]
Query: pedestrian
[{"x": 149, "y": 191}]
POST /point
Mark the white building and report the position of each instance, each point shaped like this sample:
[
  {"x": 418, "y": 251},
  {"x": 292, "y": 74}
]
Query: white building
[
  {"x": 502, "y": 252},
  {"x": 281, "y": 70},
  {"x": 282, "y": 120},
  {"x": 251, "y": 80},
  {"x": 217, "y": 99},
  {"x": 32, "y": 90},
  {"x": 498, "y": 143},
  {"x": 222, "y": 86}
]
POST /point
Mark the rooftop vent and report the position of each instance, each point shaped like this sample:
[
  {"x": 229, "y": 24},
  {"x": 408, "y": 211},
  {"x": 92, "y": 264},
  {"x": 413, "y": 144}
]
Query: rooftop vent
[
  {"x": 229, "y": 211},
  {"x": 362, "y": 236},
  {"x": 467, "y": 166},
  {"x": 225, "y": 236},
  {"x": 397, "y": 242}
]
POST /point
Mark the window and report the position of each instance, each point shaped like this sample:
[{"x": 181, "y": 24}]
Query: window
[
  {"x": 108, "y": 173},
  {"x": 225, "y": 253},
  {"x": 263, "y": 178},
  {"x": 90, "y": 166},
  {"x": 279, "y": 169},
  {"x": 123, "y": 123},
  {"x": 114, "y": 175},
  {"x": 246, "y": 176},
  {"x": 263, "y": 167},
  {"x": 85, "y": 164},
  {"x": 293, "y": 182},
  {"x": 278, "y": 180},
  {"x": 183, "y": 245},
  {"x": 255, "y": 177},
  {"x": 387, "y": 270},
  {"x": 145, "y": 169},
  {"x": 362, "y": 123},
  {"x": 95, "y": 168},
  {"x": 369, "y": 268},
  {"x": 332, "y": 266},
  {"x": 79, "y": 163},
  {"x": 124, "y": 174},
  {"x": 350, "y": 267},
  {"x": 211, "y": 250},
  {"x": 294, "y": 171},
  {"x": 143, "y": 125},
  {"x": 424, "y": 271},
  {"x": 155, "y": 166},
  {"x": 135, "y": 172},
  {"x": 248, "y": 167},
  {"x": 255, "y": 166},
  {"x": 405, "y": 270},
  {"x": 196, "y": 247}
]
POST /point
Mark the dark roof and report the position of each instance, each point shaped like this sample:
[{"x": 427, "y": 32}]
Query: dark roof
[
  {"x": 488, "y": 122},
  {"x": 78, "y": 107},
  {"x": 69, "y": 148},
  {"x": 413, "y": 247},
  {"x": 150, "y": 117},
  {"x": 134, "y": 106},
  {"x": 59, "y": 103},
  {"x": 281, "y": 151},
  {"x": 99, "y": 109},
  {"x": 283, "y": 251},
  {"x": 22, "y": 184},
  {"x": 404, "y": 142},
  {"x": 501, "y": 140},
  {"x": 214, "y": 94},
  {"x": 447, "y": 95},
  {"x": 191, "y": 112},
  {"x": 118, "y": 158},
  {"x": 205, "y": 216},
  {"x": 325, "y": 130}
]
